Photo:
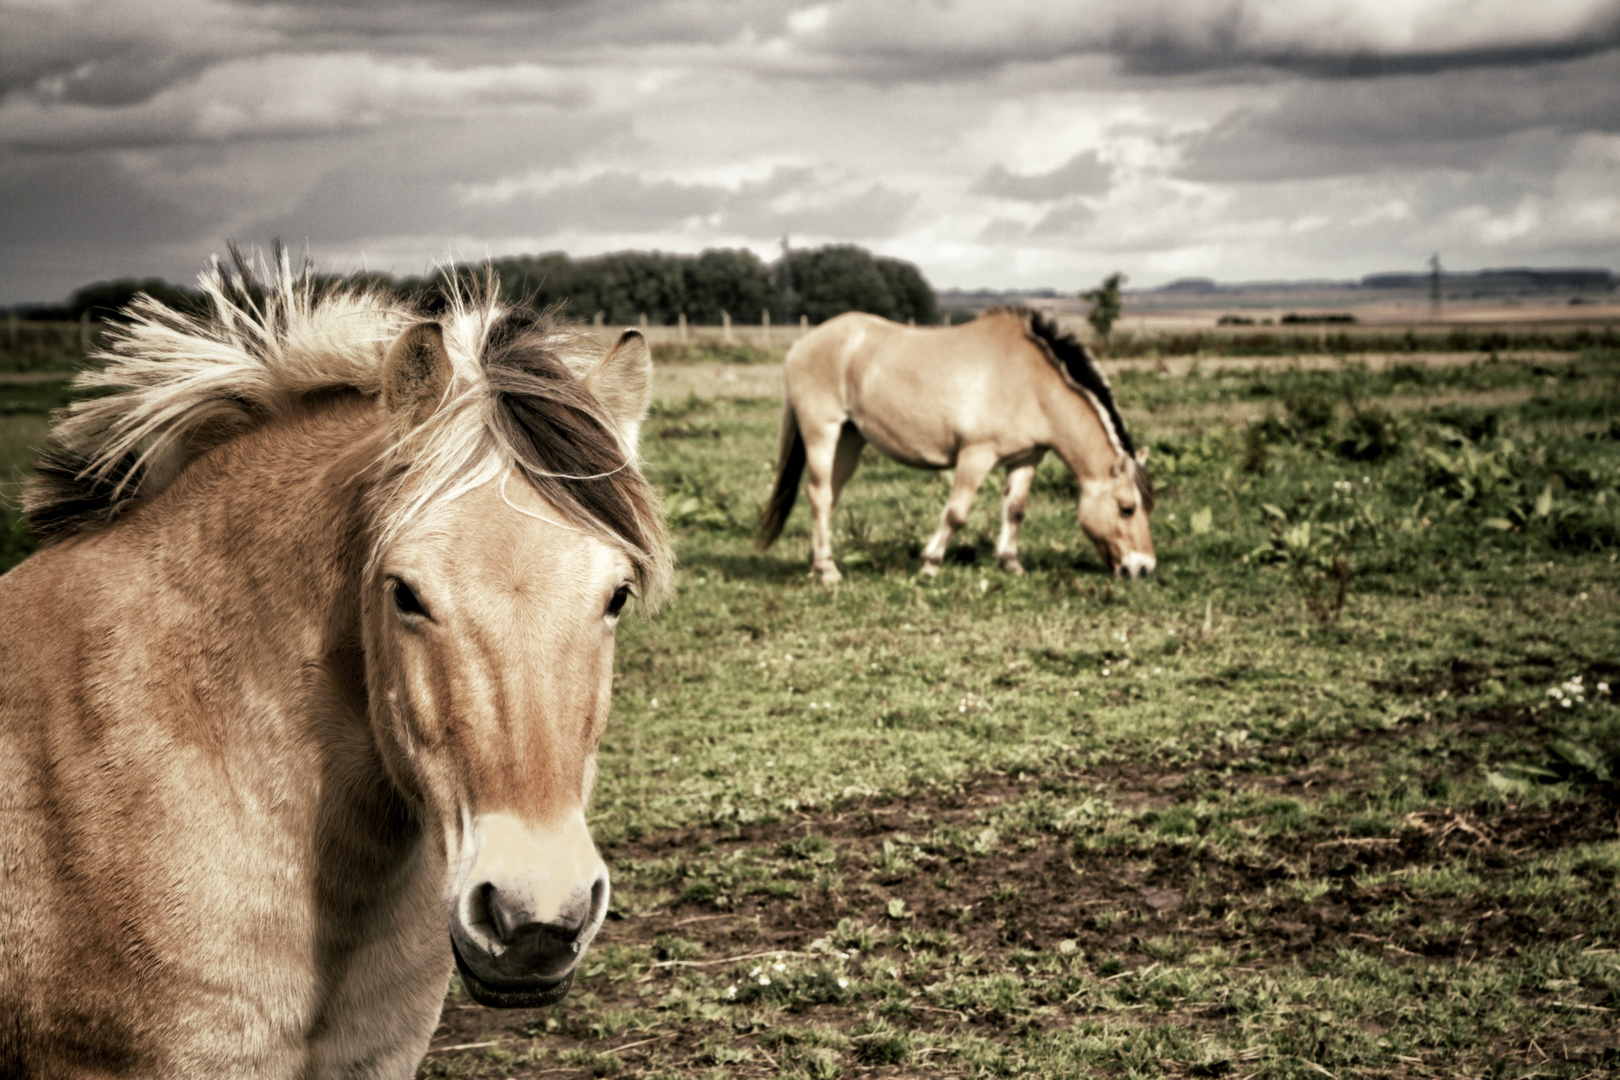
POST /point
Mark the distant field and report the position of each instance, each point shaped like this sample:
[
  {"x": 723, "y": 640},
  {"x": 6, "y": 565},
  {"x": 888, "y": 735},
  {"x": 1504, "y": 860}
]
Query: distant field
[{"x": 1227, "y": 823}]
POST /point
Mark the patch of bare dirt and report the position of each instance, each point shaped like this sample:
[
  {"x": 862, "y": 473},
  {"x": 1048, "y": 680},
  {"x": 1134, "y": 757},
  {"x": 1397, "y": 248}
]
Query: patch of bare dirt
[{"x": 1118, "y": 905}]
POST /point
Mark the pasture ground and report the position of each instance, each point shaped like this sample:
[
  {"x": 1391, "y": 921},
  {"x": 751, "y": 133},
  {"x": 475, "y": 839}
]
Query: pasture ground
[{"x": 1334, "y": 795}]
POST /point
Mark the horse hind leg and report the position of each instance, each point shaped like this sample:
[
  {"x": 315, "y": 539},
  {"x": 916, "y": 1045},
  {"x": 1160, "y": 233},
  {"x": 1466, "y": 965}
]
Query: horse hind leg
[
  {"x": 1013, "y": 507},
  {"x": 831, "y": 460},
  {"x": 973, "y": 464}
]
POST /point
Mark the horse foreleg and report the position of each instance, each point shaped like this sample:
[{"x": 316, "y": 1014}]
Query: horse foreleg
[
  {"x": 973, "y": 464},
  {"x": 1012, "y": 517},
  {"x": 829, "y": 465}
]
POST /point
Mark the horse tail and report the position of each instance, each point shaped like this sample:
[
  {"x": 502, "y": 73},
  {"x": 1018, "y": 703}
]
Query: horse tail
[{"x": 789, "y": 467}]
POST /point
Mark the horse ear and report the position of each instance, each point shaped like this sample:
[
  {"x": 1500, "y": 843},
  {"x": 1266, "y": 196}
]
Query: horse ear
[
  {"x": 622, "y": 382},
  {"x": 416, "y": 373},
  {"x": 1141, "y": 456}
]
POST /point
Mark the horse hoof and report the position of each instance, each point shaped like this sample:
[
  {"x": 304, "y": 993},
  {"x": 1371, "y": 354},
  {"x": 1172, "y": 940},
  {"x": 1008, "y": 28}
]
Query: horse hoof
[
  {"x": 929, "y": 568},
  {"x": 828, "y": 576},
  {"x": 1013, "y": 567}
]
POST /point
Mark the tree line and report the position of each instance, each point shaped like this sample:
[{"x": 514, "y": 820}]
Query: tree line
[{"x": 814, "y": 282}]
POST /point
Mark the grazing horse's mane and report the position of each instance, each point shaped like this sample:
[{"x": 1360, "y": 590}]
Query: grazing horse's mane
[
  {"x": 1072, "y": 360},
  {"x": 266, "y": 343}
]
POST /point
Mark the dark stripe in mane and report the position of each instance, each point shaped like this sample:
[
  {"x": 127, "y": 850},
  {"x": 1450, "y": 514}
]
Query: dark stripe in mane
[
  {"x": 1069, "y": 355},
  {"x": 551, "y": 424}
]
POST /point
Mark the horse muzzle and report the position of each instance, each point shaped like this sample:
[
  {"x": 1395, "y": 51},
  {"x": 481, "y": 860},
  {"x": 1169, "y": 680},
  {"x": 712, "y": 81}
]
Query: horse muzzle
[
  {"x": 1135, "y": 565},
  {"x": 524, "y": 913}
]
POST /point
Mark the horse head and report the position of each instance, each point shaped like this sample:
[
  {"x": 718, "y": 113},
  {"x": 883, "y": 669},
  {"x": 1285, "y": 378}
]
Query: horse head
[
  {"x": 489, "y": 617},
  {"x": 1114, "y": 512}
]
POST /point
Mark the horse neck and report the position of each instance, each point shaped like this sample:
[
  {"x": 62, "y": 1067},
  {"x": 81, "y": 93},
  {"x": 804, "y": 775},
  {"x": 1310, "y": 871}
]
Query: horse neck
[
  {"x": 265, "y": 537},
  {"x": 1081, "y": 435}
]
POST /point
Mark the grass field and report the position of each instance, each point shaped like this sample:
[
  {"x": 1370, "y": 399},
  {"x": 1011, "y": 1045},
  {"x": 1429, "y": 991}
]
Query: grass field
[{"x": 1334, "y": 795}]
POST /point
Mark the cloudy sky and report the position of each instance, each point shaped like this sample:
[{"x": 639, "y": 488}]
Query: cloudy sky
[{"x": 1010, "y": 143}]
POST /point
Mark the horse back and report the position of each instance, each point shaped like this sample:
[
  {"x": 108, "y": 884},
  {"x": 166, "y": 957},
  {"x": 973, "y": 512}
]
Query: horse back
[{"x": 921, "y": 393}]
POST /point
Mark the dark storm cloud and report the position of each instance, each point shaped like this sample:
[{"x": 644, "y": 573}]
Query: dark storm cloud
[
  {"x": 84, "y": 198},
  {"x": 1457, "y": 120},
  {"x": 920, "y": 39},
  {"x": 165, "y": 126},
  {"x": 1083, "y": 174}
]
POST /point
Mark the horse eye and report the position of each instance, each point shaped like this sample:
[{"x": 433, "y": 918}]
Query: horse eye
[
  {"x": 406, "y": 602},
  {"x": 1127, "y": 511},
  {"x": 621, "y": 596}
]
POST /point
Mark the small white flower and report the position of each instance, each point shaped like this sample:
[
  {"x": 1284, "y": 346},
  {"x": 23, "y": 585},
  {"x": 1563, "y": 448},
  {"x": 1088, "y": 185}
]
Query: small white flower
[
  {"x": 654, "y": 703},
  {"x": 731, "y": 991},
  {"x": 1582, "y": 596},
  {"x": 757, "y": 970},
  {"x": 1158, "y": 671},
  {"x": 1105, "y": 671},
  {"x": 1366, "y": 479},
  {"x": 676, "y": 760},
  {"x": 1555, "y": 693},
  {"x": 843, "y": 984},
  {"x": 1603, "y": 688},
  {"x": 1566, "y": 703},
  {"x": 779, "y": 966},
  {"x": 764, "y": 980},
  {"x": 826, "y": 704},
  {"x": 788, "y": 657}
]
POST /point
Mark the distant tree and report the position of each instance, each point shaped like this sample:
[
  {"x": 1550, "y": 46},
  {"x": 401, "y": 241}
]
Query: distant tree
[
  {"x": 914, "y": 298},
  {"x": 105, "y": 300},
  {"x": 1105, "y": 305},
  {"x": 831, "y": 280},
  {"x": 727, "y": 280}
]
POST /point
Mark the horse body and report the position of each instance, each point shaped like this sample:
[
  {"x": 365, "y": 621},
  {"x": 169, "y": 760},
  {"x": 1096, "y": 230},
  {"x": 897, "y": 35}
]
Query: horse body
[
  {"x": 992, "y": 393},
  {"x": 292, "y": 736},
  {"x": 210, "y": 874}
]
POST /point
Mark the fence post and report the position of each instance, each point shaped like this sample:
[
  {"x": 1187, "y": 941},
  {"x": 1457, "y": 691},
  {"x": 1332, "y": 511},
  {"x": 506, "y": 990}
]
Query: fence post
[
  {"x": 681, "y": 322},
  {"x": 596, "y": 321},
  {"x": 725, "y": 327},
  {"x": 84, "y": 333},
  {"x": 911, "y": 320},
  {"x": 804, "y": 325},
  {"x": 765, "y": 327},
  {"x": 643, "y": 324}
]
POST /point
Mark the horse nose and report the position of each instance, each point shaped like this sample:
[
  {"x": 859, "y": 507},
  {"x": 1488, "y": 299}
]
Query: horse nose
[
  {"x": 1136, "y": 565},
  {"x": 521, "y": 943}
]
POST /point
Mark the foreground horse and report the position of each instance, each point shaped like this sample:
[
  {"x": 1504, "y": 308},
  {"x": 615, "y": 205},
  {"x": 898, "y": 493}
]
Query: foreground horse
[
  {"x": 300, "y": 707},
  {"x": 999, "y": 391}
]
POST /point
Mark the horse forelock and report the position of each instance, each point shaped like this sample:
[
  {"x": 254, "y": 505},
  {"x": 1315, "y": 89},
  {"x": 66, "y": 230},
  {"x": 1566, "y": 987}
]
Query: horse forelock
[
  {"x": 556, "y": 432},
  {"x": 270, "y": 338}
]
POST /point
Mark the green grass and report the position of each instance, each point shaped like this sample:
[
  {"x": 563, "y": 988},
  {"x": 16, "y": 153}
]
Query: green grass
[{"x": 1217, "y": 824}]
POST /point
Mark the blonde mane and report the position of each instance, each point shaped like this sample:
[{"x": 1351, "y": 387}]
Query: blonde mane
[{"x": 270, "y": 339}]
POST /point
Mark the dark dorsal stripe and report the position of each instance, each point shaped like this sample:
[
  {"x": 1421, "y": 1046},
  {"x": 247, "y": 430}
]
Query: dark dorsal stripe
[{"x": 1069, "y": 355}]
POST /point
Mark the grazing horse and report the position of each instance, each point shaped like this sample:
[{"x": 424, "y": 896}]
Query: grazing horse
[
  {"x": 301, "y": 701},
  {"x": 999, "y": 391}
]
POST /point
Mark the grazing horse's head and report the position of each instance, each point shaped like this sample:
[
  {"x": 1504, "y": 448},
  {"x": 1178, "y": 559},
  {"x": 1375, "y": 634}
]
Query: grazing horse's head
[
  {"x": 512, "y": 529},
  {"x": 1114, "y": 513}
]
